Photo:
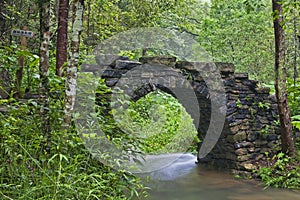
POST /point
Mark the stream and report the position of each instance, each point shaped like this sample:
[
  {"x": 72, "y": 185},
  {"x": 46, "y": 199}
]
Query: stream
[{"x": 184, "y": 180}]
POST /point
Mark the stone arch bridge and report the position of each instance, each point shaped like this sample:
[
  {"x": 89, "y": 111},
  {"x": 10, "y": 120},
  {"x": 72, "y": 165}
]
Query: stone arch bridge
[{"x": 250, "y": 128}]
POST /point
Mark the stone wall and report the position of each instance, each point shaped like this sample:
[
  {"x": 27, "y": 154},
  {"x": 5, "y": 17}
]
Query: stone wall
[{"x": 250, "y": 128}]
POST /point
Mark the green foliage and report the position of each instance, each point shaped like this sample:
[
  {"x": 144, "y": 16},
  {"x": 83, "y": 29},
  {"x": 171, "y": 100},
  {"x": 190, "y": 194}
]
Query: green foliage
[
  {"x": 66, "y": 171},
  {"x": 161, "y": 121},
  {"x": 9, "y": 59},
  {"x": 266, "y": 130},
  {"x": 156, "y": 123},
  {"x": 281, "y": 172},
  {"x": 112, "y": 17},
  {"x": 264, "y": 105},
  {"x": 293, "y": 90},
  {"x": 241, "y": 33},
  {"x": 296, "y": 121}
]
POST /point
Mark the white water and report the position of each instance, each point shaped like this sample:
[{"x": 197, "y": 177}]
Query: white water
[{"x": 184, "y": 180}]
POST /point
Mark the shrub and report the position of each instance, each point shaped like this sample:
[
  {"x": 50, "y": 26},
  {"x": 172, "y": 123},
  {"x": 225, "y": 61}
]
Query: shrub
[{"x": 281, "y": 172}]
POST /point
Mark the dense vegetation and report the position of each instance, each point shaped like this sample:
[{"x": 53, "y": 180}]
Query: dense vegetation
[
  {"x": 68, "y": 171},
  {"x": 279, "y": 170},
  {"x": 56, "y": 165}
]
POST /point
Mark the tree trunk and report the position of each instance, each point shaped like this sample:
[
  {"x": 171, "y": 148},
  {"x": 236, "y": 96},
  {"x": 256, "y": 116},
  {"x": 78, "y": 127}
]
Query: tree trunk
[
  {"x": 19, "y": 73},
  {"x": 44, "y": 6},
  {"x": 78, "y": 6},
  {"x": 280, "y": 82},
  {"x": 62, "y": 36}
]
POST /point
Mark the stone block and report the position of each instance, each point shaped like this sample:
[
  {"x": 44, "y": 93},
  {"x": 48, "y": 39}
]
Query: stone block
[
  {"x": 252, "y": 136},
  {"x": 240, "y": 116},
  {"x": 225, "y": 68},
  {"x": 263, "y": 90},
  {"x": 169, "y": 61},
  {"x": 229, "y": 83},
  {"x": 234, "y": 129},
  {"x": 259, "y": 157},
  {"x": 251, "y": 150},
  {"x": 260, "y": 143},
  {"x": 239, "y": 137},
  {"x": 242, "y": 151},
  {"x": 242, "y": 158},
  {"x": 111, "y": 82},
  {"x": 243, "y": 127},
  {"x": 247, "y": 166},
  {"x": 272, "y": 137},
  {"x": 241, "y": 75},
  {"x": 126, "y": 64},
  {"x": 243, "y": 145}
]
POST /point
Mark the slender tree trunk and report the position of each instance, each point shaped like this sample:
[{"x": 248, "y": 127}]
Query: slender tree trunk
[
  {"x": 280, "y": 82},
  {"x": 62, "y": 36},
  {"x": 19, "y": 73},
  {"x": 78, "y": 6},
  {"x": 44, "y": 6}
]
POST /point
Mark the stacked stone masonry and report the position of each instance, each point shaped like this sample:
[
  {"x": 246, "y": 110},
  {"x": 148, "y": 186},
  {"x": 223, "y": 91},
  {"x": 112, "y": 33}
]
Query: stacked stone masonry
[{"x": 250, "y": 130}]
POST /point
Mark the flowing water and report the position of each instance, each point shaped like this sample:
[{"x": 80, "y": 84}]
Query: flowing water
[{"x": 184, "y": 180}]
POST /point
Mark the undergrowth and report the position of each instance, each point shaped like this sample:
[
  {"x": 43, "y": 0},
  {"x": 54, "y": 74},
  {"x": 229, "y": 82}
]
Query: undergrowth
[
  {"x": 280, "y": 171},
  {"x": 67, "y": 171}
]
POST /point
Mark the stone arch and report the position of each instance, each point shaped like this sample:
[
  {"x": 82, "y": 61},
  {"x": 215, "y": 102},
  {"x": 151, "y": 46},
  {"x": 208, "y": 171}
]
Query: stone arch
[{"x": 249, "y": 109}]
